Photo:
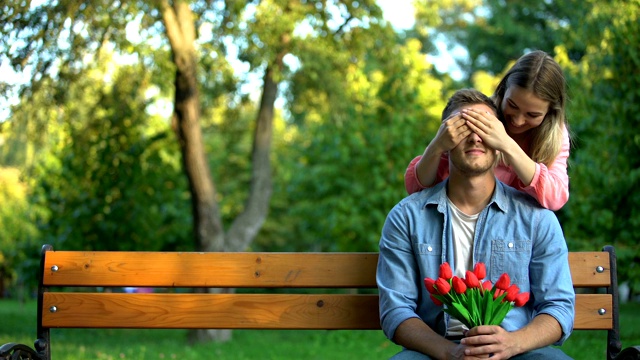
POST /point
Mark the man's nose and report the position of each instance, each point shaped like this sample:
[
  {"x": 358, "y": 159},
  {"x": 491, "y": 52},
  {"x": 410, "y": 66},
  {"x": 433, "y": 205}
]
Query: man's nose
[{"x": 474, "y": 138}]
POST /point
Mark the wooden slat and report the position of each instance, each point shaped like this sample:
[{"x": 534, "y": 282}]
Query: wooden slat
[
  {"x": 208, "y": 311},
  {"x": 583, "y": 269},
  {"x": 176, "y": 269},
  {"x": 587, "y": 316},
  {"x": 248, "y": 311}
]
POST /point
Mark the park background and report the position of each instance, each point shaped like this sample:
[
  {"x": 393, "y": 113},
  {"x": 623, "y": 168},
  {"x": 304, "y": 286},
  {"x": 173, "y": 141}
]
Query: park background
[{"x": 294, "y": 121}]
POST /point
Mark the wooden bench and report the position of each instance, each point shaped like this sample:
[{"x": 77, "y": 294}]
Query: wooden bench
[{"x": 336, "y": 306}]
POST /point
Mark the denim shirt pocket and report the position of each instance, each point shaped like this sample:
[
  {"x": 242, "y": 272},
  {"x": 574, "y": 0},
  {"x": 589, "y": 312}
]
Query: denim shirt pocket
[
  {"x": 431, "y": 248},
  {"x": 512, "y": 257}
]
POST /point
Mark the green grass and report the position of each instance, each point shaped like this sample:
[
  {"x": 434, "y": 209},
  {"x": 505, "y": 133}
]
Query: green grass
[{"x": 18, "y": 324}]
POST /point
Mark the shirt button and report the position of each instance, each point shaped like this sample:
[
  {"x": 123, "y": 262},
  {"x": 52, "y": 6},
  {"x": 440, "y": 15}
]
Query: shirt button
[
  {"x": 430, "y": 248},
  {"x": 510, "y": 245}
]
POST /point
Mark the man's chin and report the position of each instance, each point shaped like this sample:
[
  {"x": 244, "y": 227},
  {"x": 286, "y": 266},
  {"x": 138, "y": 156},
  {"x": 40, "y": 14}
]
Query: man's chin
[{"x": 475, "y": 170}]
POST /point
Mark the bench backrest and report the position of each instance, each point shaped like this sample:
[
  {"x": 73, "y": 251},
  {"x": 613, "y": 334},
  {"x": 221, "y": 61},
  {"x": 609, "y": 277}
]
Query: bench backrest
[
  {"x": 335, "y": 302},
  {"x": 336, "y": 306}
]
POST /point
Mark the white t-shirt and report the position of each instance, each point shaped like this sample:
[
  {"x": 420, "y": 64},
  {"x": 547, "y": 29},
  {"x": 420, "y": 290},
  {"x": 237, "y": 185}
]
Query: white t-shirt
[{"x": 463, "y": 231}]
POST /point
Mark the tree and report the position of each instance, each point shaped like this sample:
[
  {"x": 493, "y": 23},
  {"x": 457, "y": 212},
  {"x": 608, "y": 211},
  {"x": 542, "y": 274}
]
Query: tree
[
  {"x": 54, "y": 40},
  {"x": 368, "y": 116},
  {"x": 604, "y": 171}
]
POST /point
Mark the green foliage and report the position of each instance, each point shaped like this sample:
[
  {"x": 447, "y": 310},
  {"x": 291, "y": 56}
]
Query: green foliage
[
  {"x": 114, "y": 182},
  {"x": 348, "y": 158},
  {"x": 495, "y": 31},
  {"x": 605, "y": 175},
  {"x": 227, "y": 133},
  {"x": 16, "y": 222}
]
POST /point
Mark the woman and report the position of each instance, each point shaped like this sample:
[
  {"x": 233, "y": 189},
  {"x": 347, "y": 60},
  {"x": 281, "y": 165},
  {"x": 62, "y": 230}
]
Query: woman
[{"x": 531, "y": 134}]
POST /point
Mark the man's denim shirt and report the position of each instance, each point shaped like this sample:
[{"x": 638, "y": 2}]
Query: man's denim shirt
[{"x": 513, "y": 235}]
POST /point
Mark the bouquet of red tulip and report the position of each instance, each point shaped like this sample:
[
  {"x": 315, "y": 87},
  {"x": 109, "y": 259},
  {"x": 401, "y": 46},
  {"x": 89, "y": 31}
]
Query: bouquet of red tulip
[{"x": 472, "y": 301}]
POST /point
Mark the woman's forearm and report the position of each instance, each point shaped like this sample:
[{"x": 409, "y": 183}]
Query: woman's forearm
[
  {"x": 520, "y": 162},
  {"x": 427, "y": 166}
]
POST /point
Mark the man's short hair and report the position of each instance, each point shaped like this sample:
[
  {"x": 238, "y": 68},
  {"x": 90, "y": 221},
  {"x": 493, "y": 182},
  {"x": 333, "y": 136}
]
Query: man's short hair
[{"x": 466, "y": 97}]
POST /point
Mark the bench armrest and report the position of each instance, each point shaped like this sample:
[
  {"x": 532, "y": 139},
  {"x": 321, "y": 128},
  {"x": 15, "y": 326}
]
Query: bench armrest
[{"x": 14, "y": 351}]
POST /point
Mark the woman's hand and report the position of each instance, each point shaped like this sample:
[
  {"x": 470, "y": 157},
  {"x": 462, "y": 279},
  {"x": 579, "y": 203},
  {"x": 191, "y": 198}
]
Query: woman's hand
[
  {"x": 451, "y": 132},
  {"x": 488, "y": 127},
  {"x": 492, "y": 132}
]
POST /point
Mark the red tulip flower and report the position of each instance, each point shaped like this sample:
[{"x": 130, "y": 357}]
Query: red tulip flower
[
  {"x": 521, "y": 299},
  {"x": 480, "y": 271},
  {"x": 471, "y": 280},
  {"x": 512, "y": 292},
  {"x": 503, "y": 282},
  {"x": 445, "y": 271},
  {"x": 428, "y": 283},
  {"x": 458, "y": 285},
  {"x": 443, "y": 286},
  {"x": 487, "y": 285},
  {"x": 435, "y": 300}
]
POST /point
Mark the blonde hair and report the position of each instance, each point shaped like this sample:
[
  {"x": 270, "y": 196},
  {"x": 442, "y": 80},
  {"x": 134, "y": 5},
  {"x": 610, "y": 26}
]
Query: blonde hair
[{"x": 539, "y": 73}]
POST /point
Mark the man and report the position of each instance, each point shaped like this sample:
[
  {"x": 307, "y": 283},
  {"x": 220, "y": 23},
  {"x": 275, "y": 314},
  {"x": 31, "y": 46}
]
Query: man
[{"x": 471, "y": 217}]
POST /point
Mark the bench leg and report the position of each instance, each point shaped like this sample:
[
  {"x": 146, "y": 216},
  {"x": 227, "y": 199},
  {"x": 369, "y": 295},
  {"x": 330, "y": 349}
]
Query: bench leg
[{"x": 630, "y": 353}]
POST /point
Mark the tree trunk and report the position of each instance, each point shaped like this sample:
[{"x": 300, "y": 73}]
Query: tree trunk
[
  {"x": 207, "y": 224},
  {"x": 247, "y": 225}
]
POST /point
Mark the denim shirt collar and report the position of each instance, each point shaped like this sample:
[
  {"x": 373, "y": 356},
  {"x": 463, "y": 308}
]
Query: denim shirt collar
[{"x": 438, "y": 196}]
